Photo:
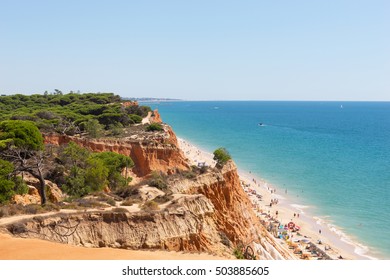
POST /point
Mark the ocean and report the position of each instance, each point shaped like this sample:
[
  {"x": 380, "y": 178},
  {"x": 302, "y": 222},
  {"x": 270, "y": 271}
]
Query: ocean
[{"x": 332, "y": 157}]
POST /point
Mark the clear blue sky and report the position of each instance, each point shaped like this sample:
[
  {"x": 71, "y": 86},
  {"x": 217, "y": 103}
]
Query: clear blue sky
[{"x": 198, "y": 50}]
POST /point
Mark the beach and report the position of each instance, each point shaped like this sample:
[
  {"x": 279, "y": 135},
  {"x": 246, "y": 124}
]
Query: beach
[{"x": 272, "y": 205}]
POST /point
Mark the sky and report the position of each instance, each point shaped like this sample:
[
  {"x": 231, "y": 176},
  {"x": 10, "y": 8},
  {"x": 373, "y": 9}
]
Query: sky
[{"x": 198, "y": 50}]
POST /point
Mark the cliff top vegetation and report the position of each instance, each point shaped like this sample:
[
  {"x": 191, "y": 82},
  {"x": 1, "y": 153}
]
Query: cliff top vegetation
[
  {"x": 77, "y": 171},
  {"x": 94, "y": 114}
]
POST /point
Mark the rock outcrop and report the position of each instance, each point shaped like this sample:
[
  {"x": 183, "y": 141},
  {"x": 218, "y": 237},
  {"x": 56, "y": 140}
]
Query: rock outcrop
[
  {"x": 32, "y": 197},
  {"x": 129, "y": 103},
  {"x": 54, "y": 193},
  {"x": 156, "y": 117}
]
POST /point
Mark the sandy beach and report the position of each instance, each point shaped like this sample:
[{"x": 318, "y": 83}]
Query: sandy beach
[{"x": 261, "y": 193}]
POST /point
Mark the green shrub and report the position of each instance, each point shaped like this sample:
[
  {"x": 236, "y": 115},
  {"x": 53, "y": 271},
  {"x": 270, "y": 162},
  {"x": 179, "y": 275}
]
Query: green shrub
[
  {"x": 33, "y": 209},
  {"x": 115, "y": 129},
  {"x": 93, "y": 128},
  {"x": 119, "y": 210},
  {"x": 135, "y": 118},
  {"x": 115, "y": 163},
  {"x": 108, "y": 200},
  {"x": 75, "y": 183},
  {"x": 6, "y": 186},
  {"x": 189, "y": 174},
  {"x": 20, "y": 186},
  {"x": 222, "y": 156},
  {"x": 237, "y": 252},
  {"x": 126, "y": 192},
  {"x": 51, "y": 207},
  {"x": 127, "y": 202},
  {"x": 160, "y": 199},
  {"x": 88, "y": 203},
  {"x": 3, "y": 212},
  {"x": 96, "y": 174},
  {"x": 11, "y": 209},
  {"x": 203, "y": 169},
  {"x": 158, "y": 181},
  {"x": 154, "y": 127},
  {"x": 141, "y": 111},
  {"x": 150, "y": 206}
]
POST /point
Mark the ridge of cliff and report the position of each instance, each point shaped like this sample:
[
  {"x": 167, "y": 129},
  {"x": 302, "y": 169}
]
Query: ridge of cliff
[{"x": 158, "y": 151}]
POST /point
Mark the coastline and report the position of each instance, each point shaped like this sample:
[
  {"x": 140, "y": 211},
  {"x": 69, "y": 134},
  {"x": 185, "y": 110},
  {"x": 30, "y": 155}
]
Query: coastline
[{"x": 333, "y": 240}]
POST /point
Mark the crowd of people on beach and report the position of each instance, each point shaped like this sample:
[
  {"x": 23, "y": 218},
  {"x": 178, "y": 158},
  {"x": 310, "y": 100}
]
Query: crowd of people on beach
[{"x": 301, "y": 245}]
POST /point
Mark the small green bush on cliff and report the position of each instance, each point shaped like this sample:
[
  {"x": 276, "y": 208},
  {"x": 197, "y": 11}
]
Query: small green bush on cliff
[
  {"x": 150, "y": 206},
  {"x": 6, "y": 186},
  {"x": 135, "y": 118},
  {"x": 222, "y": 156},
  {"x": 154, "y": 127},
  {"x": 237, "y": 252},
  {"x": 159, "y": 181}
]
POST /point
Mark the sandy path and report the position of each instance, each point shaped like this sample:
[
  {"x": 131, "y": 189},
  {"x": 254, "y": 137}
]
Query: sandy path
[{"x": 12, "y": 248}]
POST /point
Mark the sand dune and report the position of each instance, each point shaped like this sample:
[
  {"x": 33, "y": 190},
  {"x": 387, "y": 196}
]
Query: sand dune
[{"x": 12, "y": 248}]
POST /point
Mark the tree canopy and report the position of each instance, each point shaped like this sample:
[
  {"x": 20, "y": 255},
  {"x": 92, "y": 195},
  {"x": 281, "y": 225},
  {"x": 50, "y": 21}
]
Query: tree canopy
[
  {"x": 71, "y": 113},
  {"x": 222, "y": 156},
  {"x": 86, "y": 172},
  {"x": 20, "y": 134},
  {"x": 21, "y": 143}
]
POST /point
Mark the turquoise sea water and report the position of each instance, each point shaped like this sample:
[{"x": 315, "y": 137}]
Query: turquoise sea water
[{"x": 333, "y": 157}]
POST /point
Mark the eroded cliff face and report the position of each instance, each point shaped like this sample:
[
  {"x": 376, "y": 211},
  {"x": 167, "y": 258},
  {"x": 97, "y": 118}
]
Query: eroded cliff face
[
  {"x": 233, "y": 214},
  {"x": 211, "y": 214},
  {"x": 154, "y": 152},
  {"x": 187, "y": 225}
]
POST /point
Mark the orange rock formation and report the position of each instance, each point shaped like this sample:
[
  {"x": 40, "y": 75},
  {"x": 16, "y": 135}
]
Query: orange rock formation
[
  {"x": 156, "y": 117},
  {"x": 160, "y": 154},
  {"x": 130, "y": 103}
]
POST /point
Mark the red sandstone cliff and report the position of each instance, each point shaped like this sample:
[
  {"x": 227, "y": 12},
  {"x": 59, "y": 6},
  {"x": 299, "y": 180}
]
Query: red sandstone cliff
[
  {"x": 156, "y": 117},
  {"x": 159, "y": 153}
]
